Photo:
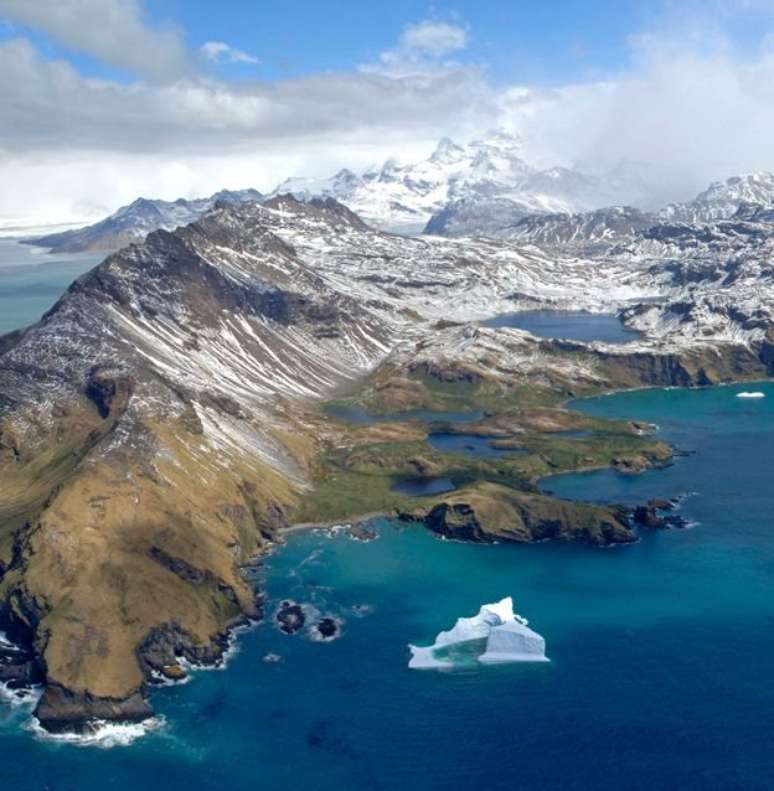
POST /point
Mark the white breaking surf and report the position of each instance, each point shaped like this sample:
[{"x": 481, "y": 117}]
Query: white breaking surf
[
  {"x": 507, "y": 636},
  {"x": 756, "y": 394},
  {"x": 101, "y": 733}
]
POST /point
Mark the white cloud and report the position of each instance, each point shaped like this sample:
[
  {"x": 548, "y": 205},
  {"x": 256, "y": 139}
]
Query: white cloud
[
  {"x": 421, "y": 50},
  {"x": 220, "y": 52},
  {"x": 688, "y": 109},
  {"x": 434, "y": 38},
  {"x": 114, "y": 31}
]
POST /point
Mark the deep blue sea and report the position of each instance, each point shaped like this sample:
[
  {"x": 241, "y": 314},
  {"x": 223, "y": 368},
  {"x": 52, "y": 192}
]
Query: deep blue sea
[
  {"x": 662, "y": 653},
  {"x": 31, "y": 280}
]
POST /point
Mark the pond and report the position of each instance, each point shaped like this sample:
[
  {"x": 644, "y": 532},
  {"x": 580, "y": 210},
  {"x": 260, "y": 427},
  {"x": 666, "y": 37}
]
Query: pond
[{"x": 570, "y": 325}]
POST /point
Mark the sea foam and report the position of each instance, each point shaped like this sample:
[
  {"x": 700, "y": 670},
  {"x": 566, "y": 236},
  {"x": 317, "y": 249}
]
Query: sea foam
[
  {"x": 101, "y": 734},
  {"x": 753, "y": 394}
]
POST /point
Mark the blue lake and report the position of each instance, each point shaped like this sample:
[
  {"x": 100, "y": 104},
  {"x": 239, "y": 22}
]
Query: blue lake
[
  {"x": 572, "y": 325},
  {"x": 356, "y": 414},
  {"x": 662, "y": 652},
  {"x": 469, "y": 445},
  {"x": 423, "y": 487},
  {"x": 31, "y": 280}
]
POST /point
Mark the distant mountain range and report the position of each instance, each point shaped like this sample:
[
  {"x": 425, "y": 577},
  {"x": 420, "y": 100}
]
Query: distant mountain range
[
  {"x": 405, "y": 198},
  {"x": 722, "y": 199},
  {"x": 483, "y": 188},
  {"x": 134, "y": 222}
]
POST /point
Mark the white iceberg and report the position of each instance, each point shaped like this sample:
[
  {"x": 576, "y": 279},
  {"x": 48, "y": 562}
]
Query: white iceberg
[
  {"x": 514, "y": 642},
  {"x": 753, "y": 394},
  {"x": 508, "y": 639}
]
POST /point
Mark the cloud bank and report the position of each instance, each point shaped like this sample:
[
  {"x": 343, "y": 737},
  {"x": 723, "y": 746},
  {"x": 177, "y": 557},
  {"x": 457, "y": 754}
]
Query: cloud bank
[
  {"x": 115, "y": 31},
  {"x": 688, "y": 108}
]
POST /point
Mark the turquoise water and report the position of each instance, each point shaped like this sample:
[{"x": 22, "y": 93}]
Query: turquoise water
[
  {"x": 662, "y": 652},
  {"x": 575, "y": 325},
  {"x": 31, "y": 280}
]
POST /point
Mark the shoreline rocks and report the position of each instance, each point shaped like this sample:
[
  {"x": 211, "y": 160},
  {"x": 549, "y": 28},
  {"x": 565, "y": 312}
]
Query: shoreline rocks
[
  {"x": 290, "y": 617},
  {"x": 61, "y": 711}
]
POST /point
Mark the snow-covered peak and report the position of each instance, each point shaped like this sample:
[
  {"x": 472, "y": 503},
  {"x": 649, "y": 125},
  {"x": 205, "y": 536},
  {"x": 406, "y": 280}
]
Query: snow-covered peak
[
  {"x": 403, "y": 197},
  {"x": 722, "y": 199},
  {"x": 447, "y": 152}
]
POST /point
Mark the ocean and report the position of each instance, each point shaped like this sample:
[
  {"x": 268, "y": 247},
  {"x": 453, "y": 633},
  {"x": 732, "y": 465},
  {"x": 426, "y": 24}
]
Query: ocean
[{"x": 31, "y": 280}]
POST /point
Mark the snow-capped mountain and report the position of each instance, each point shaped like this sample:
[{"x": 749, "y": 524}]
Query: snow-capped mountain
[
  {"x": 722, "y": 199},
  {"x": 588, "y": 231},
  {"x": 453, "y": 186},
  {"x": 133, "y": 222}
]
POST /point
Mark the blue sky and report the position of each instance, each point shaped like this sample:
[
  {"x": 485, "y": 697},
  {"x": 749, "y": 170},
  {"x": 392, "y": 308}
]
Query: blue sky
[
  {"x": 544, "y": 43},
  {"x": 104, "y": 100},
  {"x": 530, "y": 41},
  {"x": 515, "y": 38}
]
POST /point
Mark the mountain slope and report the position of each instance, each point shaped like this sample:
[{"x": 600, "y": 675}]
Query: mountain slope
[{"x": 133, "y": 222}]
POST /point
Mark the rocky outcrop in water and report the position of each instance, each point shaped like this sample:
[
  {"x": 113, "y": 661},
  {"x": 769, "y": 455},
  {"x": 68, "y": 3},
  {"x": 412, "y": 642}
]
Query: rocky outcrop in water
[{"x": 488, "y": 512}]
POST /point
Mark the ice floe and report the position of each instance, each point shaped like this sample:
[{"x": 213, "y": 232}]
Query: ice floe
[
  {"x": 503, "y": 636},
  {"x": 753, "y": 394}
]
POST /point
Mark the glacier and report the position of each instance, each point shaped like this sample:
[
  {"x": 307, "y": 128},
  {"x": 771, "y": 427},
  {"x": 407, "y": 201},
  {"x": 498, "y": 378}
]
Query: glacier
[{"x": 504, "y": 635}]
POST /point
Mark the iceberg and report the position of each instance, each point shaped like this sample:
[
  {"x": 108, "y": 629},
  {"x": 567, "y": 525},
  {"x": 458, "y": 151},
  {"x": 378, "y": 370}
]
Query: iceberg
[
  {"x": 514, "y": 642},
  {"x": 754, "y": 394},
  {"x": 504, "y": 637}
]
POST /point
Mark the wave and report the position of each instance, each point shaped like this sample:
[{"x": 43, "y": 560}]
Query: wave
[
  {"x": 101, "y": 734},
  {"x": 23, "y": 697},
  {"x": 751, "y": 394}
]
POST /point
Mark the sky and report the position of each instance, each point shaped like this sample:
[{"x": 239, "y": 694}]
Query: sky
[{"x": 105, "y": 100}]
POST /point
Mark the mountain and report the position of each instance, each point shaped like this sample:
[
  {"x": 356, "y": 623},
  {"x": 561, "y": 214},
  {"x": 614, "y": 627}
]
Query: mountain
[
  {"x": 587, "y": 230},
  {"x": 133, "y": 222},
  {"x": 480, "y": 174},
  {"x": 163, "y": 423},
  {"x": 551, "y": 192},
  {"x": 722, "y": 199}
]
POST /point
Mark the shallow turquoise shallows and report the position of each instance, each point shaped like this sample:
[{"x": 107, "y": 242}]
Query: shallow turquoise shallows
[
  {"x": 662, "y": 671},
  {"x": 31, "y": 280}
]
